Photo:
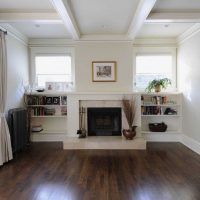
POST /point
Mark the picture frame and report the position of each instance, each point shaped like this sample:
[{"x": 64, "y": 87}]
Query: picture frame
[
  {"x": 56, "y": 100},
  {"x": 49, "y": 100},
  {"x": 104, "y": 71}
]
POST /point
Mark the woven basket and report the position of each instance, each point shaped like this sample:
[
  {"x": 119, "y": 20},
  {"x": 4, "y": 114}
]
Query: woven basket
[{"x": 158, "y": 127}]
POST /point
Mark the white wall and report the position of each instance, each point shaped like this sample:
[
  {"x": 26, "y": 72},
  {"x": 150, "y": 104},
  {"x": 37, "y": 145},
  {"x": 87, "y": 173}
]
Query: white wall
[
  {"x": 18, "y": 71},
  {"x": 121, "y": 52},
  {"x": 189, "y": 82}
]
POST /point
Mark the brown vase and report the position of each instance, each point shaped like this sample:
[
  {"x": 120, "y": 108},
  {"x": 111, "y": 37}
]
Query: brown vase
[
  {"x": 129, "y": 134},
  {"x": 157, "y": 88}
]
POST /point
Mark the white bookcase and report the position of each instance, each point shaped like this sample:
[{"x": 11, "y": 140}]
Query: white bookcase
[
  {"x": 158, "y": 108},
  {"x": 50, "y": 111}
]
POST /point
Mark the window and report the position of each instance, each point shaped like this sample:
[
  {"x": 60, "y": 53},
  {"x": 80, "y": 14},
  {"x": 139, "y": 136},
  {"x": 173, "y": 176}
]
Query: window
[
  {"x": 56, "y": 68},
  {"x": 153, "y": 66}
]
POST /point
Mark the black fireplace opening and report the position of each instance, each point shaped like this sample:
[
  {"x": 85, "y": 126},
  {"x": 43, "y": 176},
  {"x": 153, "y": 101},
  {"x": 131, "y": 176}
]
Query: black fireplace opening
[{"x": 104, "y": 121}]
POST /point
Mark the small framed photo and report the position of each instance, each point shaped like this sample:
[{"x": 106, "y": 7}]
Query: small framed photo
[
  {"x": 64, "y": 100},
  {"x": 50, "y": 85},
  {"x": 49, "y": 100},
  {"x": 104, "y": 71},
  {"x": 56, "y": 100}
]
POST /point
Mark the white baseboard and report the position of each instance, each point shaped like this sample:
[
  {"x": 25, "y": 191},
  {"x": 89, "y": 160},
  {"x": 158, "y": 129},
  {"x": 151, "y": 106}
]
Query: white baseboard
[
  {"x": 191, "y": 143},
  {"x": 47, "y": 137},
  {"x": 162, "y": 137}
]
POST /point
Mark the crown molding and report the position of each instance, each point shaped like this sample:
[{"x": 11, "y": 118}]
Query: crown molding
[
  {"x": 15, "y": 33},
  {"x": 55, "y": 42},
  {"x": 188, "y": 34},
  {"x": 154, "y": 42},
  {"x": 173, "y": 17},
  {"x": 105, "y": 37}
]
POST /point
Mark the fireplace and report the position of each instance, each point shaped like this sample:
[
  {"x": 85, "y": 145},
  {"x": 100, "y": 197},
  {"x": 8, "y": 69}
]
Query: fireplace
[{"x": 104, "y": 121}]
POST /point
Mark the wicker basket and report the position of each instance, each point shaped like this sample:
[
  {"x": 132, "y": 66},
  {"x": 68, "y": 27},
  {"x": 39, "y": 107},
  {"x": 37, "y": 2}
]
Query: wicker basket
[{"x": 158, "y": 127}]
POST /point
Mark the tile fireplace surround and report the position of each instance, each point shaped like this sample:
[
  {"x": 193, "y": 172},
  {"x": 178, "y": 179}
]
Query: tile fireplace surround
[{"x": 75, "y": 100}]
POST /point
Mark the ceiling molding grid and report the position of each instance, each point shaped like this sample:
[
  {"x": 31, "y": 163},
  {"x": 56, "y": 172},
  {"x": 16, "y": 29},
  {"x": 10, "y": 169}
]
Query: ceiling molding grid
[
  {"x": 37, "y": 17},
  {"x": 63, "y": 9},
  {"x": 142, "y": 12},
  {"x": 188, "y": 34},
  {"x": 169, "y": 17}
]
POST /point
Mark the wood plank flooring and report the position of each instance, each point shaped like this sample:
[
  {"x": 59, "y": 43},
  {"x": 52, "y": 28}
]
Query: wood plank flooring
[{"x": 165, "y": 171}]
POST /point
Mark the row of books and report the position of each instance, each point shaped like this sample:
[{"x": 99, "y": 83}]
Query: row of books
[
  {"x": 42, "y": 111},
  {"x": 158, "y": 110},
  {"x": 152, "y": 110},
  {"x": 45, "y": 100},
  {"x": 158, "y": 100}
]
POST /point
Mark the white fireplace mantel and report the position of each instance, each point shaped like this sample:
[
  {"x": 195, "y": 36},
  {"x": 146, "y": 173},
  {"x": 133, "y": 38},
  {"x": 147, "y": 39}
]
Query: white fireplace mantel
[{"x": 73, "y": 103}]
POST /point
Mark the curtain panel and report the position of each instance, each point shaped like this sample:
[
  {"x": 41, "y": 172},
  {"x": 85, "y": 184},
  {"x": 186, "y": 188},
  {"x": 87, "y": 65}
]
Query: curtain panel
[{"x": 5, "y": 142}]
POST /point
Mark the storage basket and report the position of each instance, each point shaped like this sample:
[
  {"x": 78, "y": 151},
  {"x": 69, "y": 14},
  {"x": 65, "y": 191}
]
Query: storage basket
[{"x": 158, "y": 127}]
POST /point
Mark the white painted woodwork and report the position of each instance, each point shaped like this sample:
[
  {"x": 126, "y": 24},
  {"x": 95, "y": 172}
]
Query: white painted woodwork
[
  {"x": 65, "y": 13},
  {"x": 143, "y": 10}
]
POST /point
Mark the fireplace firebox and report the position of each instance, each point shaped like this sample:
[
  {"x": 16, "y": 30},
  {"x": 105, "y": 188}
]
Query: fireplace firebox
[{"x": 104, "y": 121}]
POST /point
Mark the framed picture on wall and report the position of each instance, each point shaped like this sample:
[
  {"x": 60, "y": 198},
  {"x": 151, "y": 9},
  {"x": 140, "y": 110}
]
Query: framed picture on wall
[{"x": 104, "y": 71}]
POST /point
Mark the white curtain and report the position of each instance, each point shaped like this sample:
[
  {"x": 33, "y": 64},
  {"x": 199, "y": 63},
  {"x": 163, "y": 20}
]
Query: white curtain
[{"x": 5, "y": 143}]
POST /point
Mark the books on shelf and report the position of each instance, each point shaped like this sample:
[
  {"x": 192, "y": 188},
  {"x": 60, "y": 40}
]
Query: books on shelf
[{"x": 156, "y": 100}]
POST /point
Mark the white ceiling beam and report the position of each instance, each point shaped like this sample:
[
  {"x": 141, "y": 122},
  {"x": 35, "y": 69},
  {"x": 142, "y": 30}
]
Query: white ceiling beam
[
  {"x": 142, "y": 11},
  {"x": 30, "y": 17},
  {"x": 63, "y": 9},
  {"x": 170, "y": 17}
]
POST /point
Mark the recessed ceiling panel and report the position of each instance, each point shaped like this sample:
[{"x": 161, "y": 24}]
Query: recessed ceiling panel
[
  {"x": 176, "y": 5},
  {"x": 158, "y": 30},
  {"x": 103, "y": 16},
  {"x": 32, "y": 30}
]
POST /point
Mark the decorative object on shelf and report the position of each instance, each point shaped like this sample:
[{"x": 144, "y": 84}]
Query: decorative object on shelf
[
  {"x": 157, "y": 127},
  {"x": 158, "y": 84},
  {"x": 129, "y": 110},
  {"x": 36, "y": 128},
  {"x": 104, "y": 71},
  {"x": 64, "y": 100},
  {"x": 40, "y": 90},
  {"x": 170, "y": 111},
  {"x": 82, "y": 132},
  {"x": 56, "y": 100},
  {"x": 49, "y": 100}
]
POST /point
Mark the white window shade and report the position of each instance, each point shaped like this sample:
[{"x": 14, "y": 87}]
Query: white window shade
[
  {"x": 152, "y": 66},
  {"x": 52, "y": 69}
]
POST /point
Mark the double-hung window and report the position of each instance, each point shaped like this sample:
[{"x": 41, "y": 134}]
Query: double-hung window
[
  {"x": 154, "y": 66},
  {"x": 52, "y": 68}
]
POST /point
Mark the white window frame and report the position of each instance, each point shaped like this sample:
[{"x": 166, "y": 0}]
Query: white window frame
[
  {"x": 50, "y": 51},
  {"x": 156, "y": 51}
]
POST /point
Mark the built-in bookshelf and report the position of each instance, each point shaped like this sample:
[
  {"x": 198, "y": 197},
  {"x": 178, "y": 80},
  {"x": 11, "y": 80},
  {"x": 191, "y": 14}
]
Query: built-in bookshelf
[
  {"x": 161, "y": 107},
  {"x": 47, "y": 112}
]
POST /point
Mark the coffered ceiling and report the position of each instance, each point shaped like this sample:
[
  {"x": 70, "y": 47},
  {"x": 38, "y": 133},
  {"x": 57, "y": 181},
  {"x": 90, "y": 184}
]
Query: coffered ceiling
[{"x": 117, "y": 19}]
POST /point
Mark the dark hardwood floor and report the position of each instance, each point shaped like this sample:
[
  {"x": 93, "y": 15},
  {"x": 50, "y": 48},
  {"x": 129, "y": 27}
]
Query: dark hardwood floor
[{"x": 165, "y": 171}]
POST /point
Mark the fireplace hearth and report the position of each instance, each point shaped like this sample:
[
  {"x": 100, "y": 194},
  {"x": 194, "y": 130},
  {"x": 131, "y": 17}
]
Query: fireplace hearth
[{"x": 104, "y": 121}]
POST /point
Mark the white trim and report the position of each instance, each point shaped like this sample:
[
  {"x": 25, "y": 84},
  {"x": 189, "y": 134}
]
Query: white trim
[
  {"x": 15, "y": 33},
  {"x": 154, "y": 42},
  {"x": 191, "y": 143},
  {"x": 162, "y": 137},
  {"x": 47, "y": 137},
  {"x": 188, "y": 34},
  {"x": 173, "y": 17},
  {"x": 34, "y": 51},
  {"x": 38, "y": 17},
  {"x": 143, "y": 9},
  {"x": 65, "y": 13}
]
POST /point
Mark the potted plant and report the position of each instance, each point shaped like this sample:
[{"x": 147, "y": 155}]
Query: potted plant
[
  {"x": 129, "y": 111},
  {"x": 157, "y": 84}
]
